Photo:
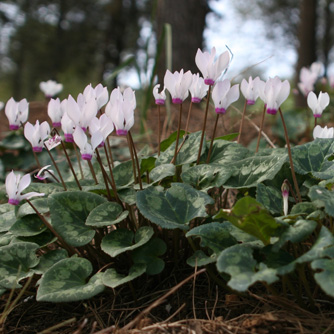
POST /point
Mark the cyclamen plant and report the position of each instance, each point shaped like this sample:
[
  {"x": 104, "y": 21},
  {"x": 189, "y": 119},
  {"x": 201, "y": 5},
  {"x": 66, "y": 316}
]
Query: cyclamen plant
[{"x": 173, "y": 206}]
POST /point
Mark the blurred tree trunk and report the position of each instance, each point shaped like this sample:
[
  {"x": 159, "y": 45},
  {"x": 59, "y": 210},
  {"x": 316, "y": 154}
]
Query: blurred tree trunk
[
  {"x": 307, "y": 39},
  {"x": 328, "y": 37},
  {"x": 187, "y": 19}
]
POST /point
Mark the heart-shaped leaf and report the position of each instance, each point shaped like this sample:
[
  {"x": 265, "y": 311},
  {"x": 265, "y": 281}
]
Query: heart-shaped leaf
[
  {"x": 69, "y": 211},
  {"x": 49, "y": 259},
  {"x": 65, "y": 281},
  {"x": 16, "y": 261},
  {"x": 173, "y": 208},
  {"x": 250, "y": 216},
  {"x": 123, "y": 174},
  {"x": 148, "y": 255},
  {"x": 238, "y": 262},
  {"x": 199, "y": 259},
  {"x": 270, "y": 197},
  {"x": 28, "y": 226},
  {"x": 122, "y": 240},
  {"x": 162, "y": 171},
  {"x": 325, "y": 277},
  {"x": 213, "y": 235},
  {"x": 7, "y": 219},
  {"x": 206, "y": 176},
  {"x": 106, "y": 214},
  {"x": 187, "y": 154},
  {"x": 323, "y": 197},
  {"x": 313, "y": 157},
  {"x": 113, "y": 279},
  {"x": 41, "y": 204}
]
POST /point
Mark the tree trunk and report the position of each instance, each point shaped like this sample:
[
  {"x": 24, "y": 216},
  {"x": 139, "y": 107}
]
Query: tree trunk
[
  {"x": 307, "y": 39},
  {"x": 187, "y": 19}
]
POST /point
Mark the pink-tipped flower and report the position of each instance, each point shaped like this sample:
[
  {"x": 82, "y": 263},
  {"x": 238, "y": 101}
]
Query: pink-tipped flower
[
  {"x": 52, "y": 142},
  {"x": 67, "y": 125},
  {"x": 223, "y": 95},
  {"x": 15, "y": 185},
  {"x": 285, "y": 195},
  {"x": 160, "y": 98},
  {"x": 87, "y": 149},
  {"x": 178, "y": 84},
  {"x": 198, "y": 89},
  {"x": 50, "y": 88},
  {"x": 120, "y": 109},
  {"x": 44, "y": 173},
  {"x": 81, "y": 111},
  {"x": 210, "y": 67},
  {"x": 319, "y": 132},
  {"x": 317, "y": 105},
  {"x": 99, "y": 93},
  {"x": 55, "y": 112},
  {"x": 250, "y": 90},
  {"x": 308, "y": 77},
  {"x": 17, "y": 113},
  {"x": 274, "y": 93},
  {"x": 104, "y": 125},
  {"x": 36, "y": 134}
]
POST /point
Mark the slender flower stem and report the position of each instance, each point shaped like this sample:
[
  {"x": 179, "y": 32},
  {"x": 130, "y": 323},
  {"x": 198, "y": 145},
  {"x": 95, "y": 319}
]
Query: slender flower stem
[
  {"x": 110, "y": 154},
  {"x": 212, "y": 139},
  {"x": 79, "y": 160},
  {"x": 137, "y": 161},
  {"x": 56, "y": 166},
  {"x": 69, "y": 161},
  {"x": 92, "y": 171},
  {"x": 132, "y": 158},
  {"x": 179, "y": 149},
  {"x": 105, "y": 179},
  {"x": 261, "y": 128},
  {"x": 108, "y": 160},
  {"x": 178, "y": 134},
  {"x": 315, "y": 121},
  {"x": 112, "y": 180},
  {"x": 159, "y": 130},
  {"x": 290, "y": 157},
  {"x": 188, "y": 118},
  {"x": 36, "y": 159},
  {"x": 242, "y": 121},
  {"x": 204, "y": 125},
  {"x": 69, "y": 248}
]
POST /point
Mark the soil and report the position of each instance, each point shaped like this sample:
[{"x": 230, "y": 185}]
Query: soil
[{"x": 177, "y": 301}]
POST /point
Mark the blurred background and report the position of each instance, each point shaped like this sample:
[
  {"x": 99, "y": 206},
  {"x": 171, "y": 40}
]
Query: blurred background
[{"x": 91, "y": 41}]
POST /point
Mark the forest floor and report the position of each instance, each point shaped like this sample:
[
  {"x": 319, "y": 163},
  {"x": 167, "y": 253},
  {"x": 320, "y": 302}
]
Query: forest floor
[{"x": 181, "y": 299}]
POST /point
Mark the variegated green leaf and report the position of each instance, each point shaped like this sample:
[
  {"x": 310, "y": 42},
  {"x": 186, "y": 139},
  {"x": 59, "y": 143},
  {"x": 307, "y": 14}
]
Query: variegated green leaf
[
  {"x": 69, "y": 211},
  {"x": 122, "y": 240},
  {"x": 106, "y": 214},
  {"x": 66, "y": 281},
  {"x": 28, "y": 226},
  {"x": 173, "y": 208},
  {"x": 113, "y": 279}
]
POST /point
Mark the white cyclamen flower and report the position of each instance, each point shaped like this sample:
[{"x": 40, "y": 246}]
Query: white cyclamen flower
[
  {"x": 16, "y": 112},
  {"x": 160, "y": 98},
  {"x": 45, "y": 173},
  {"x": 308, "y": 77},
  {"x": 36, "y": 134},
  {"x": 99, "y": 93},
  {"x": 319, "y": 132},
  {"x": 178, "y": 84},
  {"x": 223, "y": 95},
  {"x": 87, "y": 149},
  {"x": 55, "y": 112},
  {"x": 210, "y": 67},
  {"x": 15, "y": 185},
  {"x": 274, "y": 93},
  {"x": 317, "y": 105},
  {"x": 198, "y": 89},
  {"x": 120, "y": 109},
  {"x": 50, "y": 88},
  {"x": 104, "y": 125},
  {"x": 250, "y": 90},
  {"x": 67, "y": 125},
  {"x": 81, "y": 111}
]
